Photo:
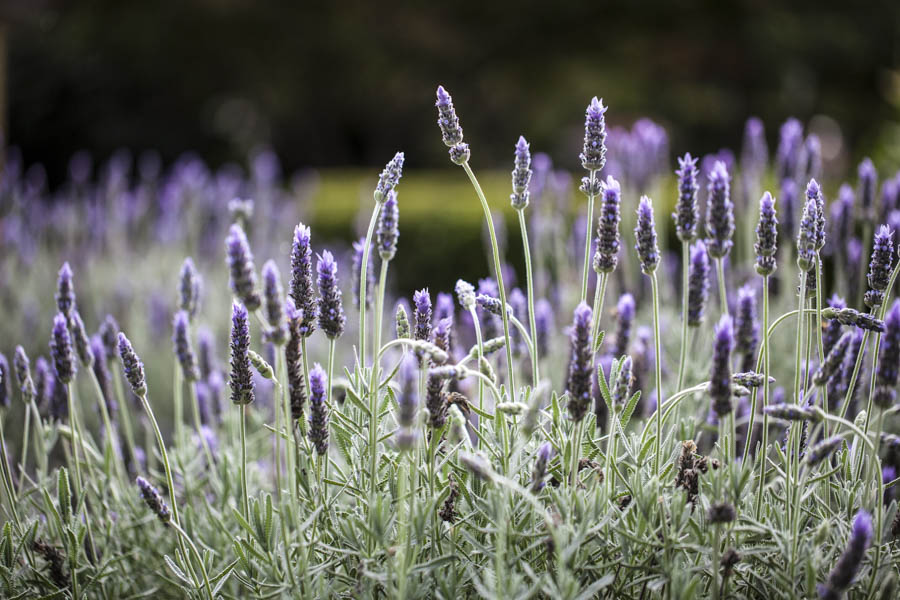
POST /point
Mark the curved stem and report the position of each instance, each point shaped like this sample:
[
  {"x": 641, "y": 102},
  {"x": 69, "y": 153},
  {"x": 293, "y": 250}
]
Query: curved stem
[
  {"x": 720, "y": 275},
  {"x": 765, "y": 426},
  {"x": 244, "y": 491},
  {"x": 685, "y": 276},
  {"x": 498, "y": 268},
  {"x": 529, "y": 280},
  {"x": 373, "y": 399},
  {"x": 363, "y": 288},
  {"x": 599, "y": 297},
  {"x": 183, "y": 534},
  {"x": 654, "y": 287},
  {"x": 588, "y": 236},
  {"x": 481, "y": 357}
]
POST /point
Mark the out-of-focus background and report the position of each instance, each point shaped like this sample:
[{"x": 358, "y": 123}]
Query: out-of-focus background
[{"x": 131, "y": 127}]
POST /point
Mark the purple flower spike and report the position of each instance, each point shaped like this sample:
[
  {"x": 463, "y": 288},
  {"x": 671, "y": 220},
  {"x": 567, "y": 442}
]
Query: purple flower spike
[
  {"x": 880, "y": 266},
  {"x": 318, "y": 411},
  {"x": 387, "y": 232},
  {"x": 543, "y": 323},
  {"x": 806, "y": 239},
  {"x": 868, "y": 182},
  {"x": 80, "y": 339},
  {"x": 390, "y": 177},
  {"x": 593, "y": 155},
  {"x": 814, "y": 192},
  {"x": 521, "y": 175},
  {"x": 109, "y": 333},
  {"x": 331, "y": 307},
  {"x": 789, "y": 200},
  {"x": 61, "y": 350},
  {"x": 240, "y": 266},
  {"x": 687, "y": 213},
  {"x": 831, "y": 331},
  {"x": 422, "y": 319},
  {"x": 241, "y": 380},
  {"x": 625, "y": 309},
  {"x": 811, "y": 165},
  {"x": 293, "y": 354},
  {"x": 579, "y": 382},
  {"x": 273, "y": 293},
  {"x": 539, "y": 473},
  {"x": 183, "y": 349},
  {"x": 747, "y": 327},
  {"x": 766, "y": 236},
  {"x": 302, "y": 280},
  {"x": 790, "y": 143},
  {"x": 841, "y": 577},
  {"x": 889, "y": 360},
  {"x": 698, "y": 284},
  {"x": 720, "y": 373},
  {"x": 719, "y": 212},
  {"x": 189, "y": 288},
  {"x": 65, "y": 290},
  {"x": 132, "y": 366},
  {"x": 645, "y": 233},
  {"x": 842, "y": 217},
  {"x": 606, "y": 256},
  {"x": 754, "y": 151},
  {"x": 22, "y": 367},
  {"x": 448, "y": 122},
  {"x": 154, "y": 501}
]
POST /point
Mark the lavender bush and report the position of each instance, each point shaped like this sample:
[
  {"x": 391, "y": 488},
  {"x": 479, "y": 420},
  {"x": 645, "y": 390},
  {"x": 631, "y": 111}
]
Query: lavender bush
[{"x": 482, "y": 441}]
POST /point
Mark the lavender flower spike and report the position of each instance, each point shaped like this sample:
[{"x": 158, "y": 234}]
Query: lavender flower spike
[
  {"x": 331, "y": 307},
  {"x": 606, "y": 256},
  {"x": 301, "y": 287},
  {"x": 65, "y": 290},
  {"x": 886, "y": 373},
  {"x": 422, "y": 319},
  {"x": 448, "y": 122},
  {"x": 841, "y": 577},
  {"x": 390, "y": 177},
  {"x": 154, "y": 501},
  {"x": 318, "y": 411},
  {"x": 621, "y": 392},
  {"x": 823, "y": 450},
  {"x": 521, "y": 175},
  {"x": 698, "y": 284},
  {"x": 868, "y": 181},
  {"x": 719, "y": 212},
  {"x": 539, "y": 473},
  {"x": 645, "y": 233},
  {"x": 747, "y": 326},
  {"x": 766, "y": 236},
  {"x": 189, "y": 288},
  {"x": 80, "y": 339},
  {"x": 22, "y": 367},
  {"x": 241, "y": 379},
  {"x": 880, "y": 266},
  {"x": 833, "y": 359},
  {"x": 293, "y": 354},
  {"x": 814, "y": 192},
  {"x": 625, "y": 309},
  {"x": 850, "y": 316},
  {"x": 579, "y": 381},
  {"x": 387, "y": 231},
  {"x": 543, "y": 319},
  {"x": 806, "y": 238},
  {"x": 273, "y": 294},
  {"x": 183, "y": 349},
  {"x": 593, "y": 155},
  {"x": 61, "y": 350},
  {"x": 240, "y": 265},
  {"x": 132, "y": 366},
  {"x": 109, "y": 333},
  {"x": 687, "y": 214},
  {"x": 720, "y": 373},
  {"x": 831, "y": 331},
  {"x": 5, "y": 382}
]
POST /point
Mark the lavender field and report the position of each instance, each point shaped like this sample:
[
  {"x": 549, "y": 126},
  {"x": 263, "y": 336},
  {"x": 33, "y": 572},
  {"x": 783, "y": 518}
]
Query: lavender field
[{"x": 662, "y": 376}]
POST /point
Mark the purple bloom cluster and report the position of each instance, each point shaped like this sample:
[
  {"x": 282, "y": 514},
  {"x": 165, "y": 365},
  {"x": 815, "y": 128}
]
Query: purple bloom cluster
[
  {"x": 302, "y": 280},
  {"x": 387, "y": 232},
  {"x": 183, "y": 349},
  {"x": 698, "y": 284},
  {"x": 747, "y": 326},
  {"x": 390, "y": 176},
  {"x": 766, "y": 236},
  {"x": 241, "y": 380},
  {"x": 65, "y": 290},
  {"x": 331, "y": 307},
  {"x": 593, "y": 155},
  {"x": 451, "y": 131},
  {"x": 831, "y": 331},
  {"x": 521, "y": 175},
  {"x": 880, "y": 266},
  {"x": 61, "y": 350},
  {"x": 189, "y": 288},
  {"x": 687, "y": 213},
  {"x": 806, "y": 239},
  {"x": 154, "y": 500},
  {"x": 240, "y": 266},
  {"x": 80, "y": 339},
  {"x": 841, "y": 576},
  {"x": 133, "y": 367},
  {"x": 579, "y": 381},
  {"x": 790, "y": 143},
  {"x": 888, "y": 360},
  {"x": 645, "y": 235},
  {"x": 606, "y": 256},
  {"x": 719, "y": 212},
  {"x": 358, "y": 248},
  {"x": 318, "y": 411},
  {"x": 293, "y": 354},
  {"x": 625, "y": 310},
  {"x": 868, "y": 182},
  {"x": 273, "y": 294},
  {"x": 814, "y": 192},
  {"x": 720, "y": 371}
]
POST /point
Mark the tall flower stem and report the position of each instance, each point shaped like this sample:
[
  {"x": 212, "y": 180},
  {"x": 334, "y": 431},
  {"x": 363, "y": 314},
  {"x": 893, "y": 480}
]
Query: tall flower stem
[
  {"x": 170, "y": 480},
  {"x": 498, "y": 268},
  {"x": 765, "y": 426},
  {"x": 182, "y": 535},
  {"x": 125, "y": 412},
  {"x": 178, "y": 402},
  {"x": 328, "y": 403},
  {"x": 588, "y": 237},
  {"x": 480, "y": 342},
  {"x": 599, "y": 298},
  {"x": 290, "y": 450},
  {"x": 720, "y": 275},
  {"x": 363, "y": 289},
  {"x": 654, "y": 288},
  {"x": 685, "y": 275},
  {"x": 77, "y": 440},
  {"x": 529, "y": 279},
  {"x": 244, "y": 492},
  {"x": 7, "y": 478},
  {"x": 577, "y": 433},
  {"x": 107, "y": 424},
  {"x": 373, "y": 396}
]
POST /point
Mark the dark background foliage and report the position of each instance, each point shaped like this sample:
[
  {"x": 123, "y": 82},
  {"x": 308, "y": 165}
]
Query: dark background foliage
[{"x": 340, "y": 83}]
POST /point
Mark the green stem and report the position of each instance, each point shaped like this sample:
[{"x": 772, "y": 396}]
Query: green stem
[
  {"x": 720, "y": 275},
  {"x": 765, "y": 427},
  {"x": 654, "y": 287},
  {"x": 529, "y": 280},
  {"x": 183, "y": 535},
  {"x": 588, "y": 236},
  {"x": 178, "y": 404},
  {"x": 331, "y": 344},
  {"x": 107, "y": 423},
  {"x": 599, "y": 298},
  {"x": 373, "y": 400},
  {"x": 244, "y": 492},
  {"x": 481, "y": 357},
  {"x": 198, "y": 425},
  {"x": 685, "y": 283},
  {"x": 498, "y": 268},
  {"x": 363, "y": 288},
  {"x": 7, "y": 478},
  {"x": 125, "y": 414},
  {"x": 25, "y": 443}
]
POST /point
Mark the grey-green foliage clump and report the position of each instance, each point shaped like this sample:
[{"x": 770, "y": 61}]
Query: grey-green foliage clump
[{"x": 359, "y": 472}]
